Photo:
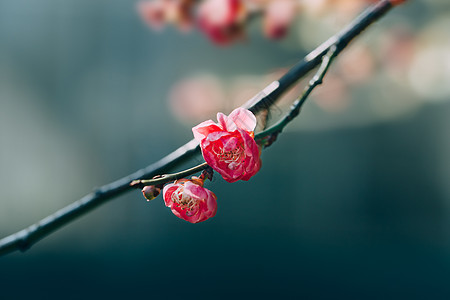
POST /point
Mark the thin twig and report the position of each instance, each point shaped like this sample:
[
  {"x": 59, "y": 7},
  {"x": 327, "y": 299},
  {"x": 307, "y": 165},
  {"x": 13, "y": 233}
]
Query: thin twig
[
  {"x": 271, "y": 93},
  {"x": 139, "y": 184},
  {"x": 25, "y": 238},
  {"x": 297, "y": 105}
]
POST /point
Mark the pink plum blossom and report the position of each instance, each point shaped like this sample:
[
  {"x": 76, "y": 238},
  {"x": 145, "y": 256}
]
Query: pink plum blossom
[
  {"x": 189, "y": 200},
  {"x": 221, "y": 20},
  {"x": 228, "y": 147},
  {"x": 278, "y": 18},
  {"x": 157, "y": 13}
]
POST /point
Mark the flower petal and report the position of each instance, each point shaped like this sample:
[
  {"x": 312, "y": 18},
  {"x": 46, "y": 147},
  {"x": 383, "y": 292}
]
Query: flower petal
[
  {"x": 167, "y": 193},
  {"x": 211, "y": 204},
  {"x": 231, "y": 144},
  {"x": 222, "y": 119},
  {"x": 202, "y": 130},
  {"x": 195, "y": 191},
  {"x": 241, "y": 118}
]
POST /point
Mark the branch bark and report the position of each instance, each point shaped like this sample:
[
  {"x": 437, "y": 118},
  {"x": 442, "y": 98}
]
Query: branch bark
[{"x": 25, "y": 238}]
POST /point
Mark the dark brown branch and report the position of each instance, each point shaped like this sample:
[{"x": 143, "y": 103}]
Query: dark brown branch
[{"x": 25, "y": 238}]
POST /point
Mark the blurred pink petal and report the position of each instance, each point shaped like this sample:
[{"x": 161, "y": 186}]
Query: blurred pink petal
[
  {"x": 221, "y": 20},
  {"x": 197, "y": 98},
  {"x": 357, "y": 65},
  {"x": 158, "y": 12},
  {"x": 179, "y": 12},
  {"x": 333, "y": 96},
  {"x": 278, "y": 17},
  {"x": 153, "y": 13},
  {"x": 397, "y": 51}
]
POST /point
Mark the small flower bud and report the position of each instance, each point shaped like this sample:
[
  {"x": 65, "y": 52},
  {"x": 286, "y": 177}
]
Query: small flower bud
[{"x": 151, "y": 192}]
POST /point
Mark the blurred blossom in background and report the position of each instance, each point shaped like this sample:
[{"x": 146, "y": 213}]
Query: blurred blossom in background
[
  {"x": 409, "y": 56},
  {"x": 352, "y": 201}
]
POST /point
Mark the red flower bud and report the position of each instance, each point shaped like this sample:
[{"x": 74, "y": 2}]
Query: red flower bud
[{"x": 151, "y": 192}]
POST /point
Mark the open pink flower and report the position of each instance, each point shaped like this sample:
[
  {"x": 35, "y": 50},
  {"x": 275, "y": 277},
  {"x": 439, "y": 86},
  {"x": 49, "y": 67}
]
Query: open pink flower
[
  {"x": 229, "y": 147},
  {"x": 190, "y": 201}
]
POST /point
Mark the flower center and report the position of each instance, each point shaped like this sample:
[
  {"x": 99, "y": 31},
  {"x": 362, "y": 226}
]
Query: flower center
[
  {"x": 232, "y": 156},
  {"x": 184, "y": 201}
]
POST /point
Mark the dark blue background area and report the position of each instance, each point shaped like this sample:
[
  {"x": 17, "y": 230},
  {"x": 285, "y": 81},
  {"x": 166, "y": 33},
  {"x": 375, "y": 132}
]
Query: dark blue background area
[{"x": 299, "y": 229}]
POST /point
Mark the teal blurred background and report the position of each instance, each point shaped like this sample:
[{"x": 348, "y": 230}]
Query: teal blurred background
[{"x": 352, "y": 201}]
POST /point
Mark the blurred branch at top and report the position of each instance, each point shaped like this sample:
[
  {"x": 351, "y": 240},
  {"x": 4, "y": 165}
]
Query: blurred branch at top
[
  {"x": 225, "y": 21},
  {"x": 386, "y": 58},
  {"x": 222, "y": 21}
]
